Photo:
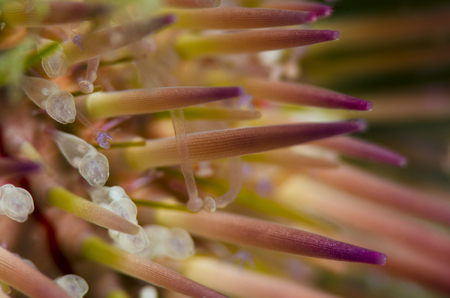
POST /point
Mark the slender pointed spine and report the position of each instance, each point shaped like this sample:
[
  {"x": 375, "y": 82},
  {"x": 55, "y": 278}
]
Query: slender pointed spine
[
  {"x": 361, "y": 149},
  {"x": 143, "y": 101},
  {"x": 18, "y": 274},
  {"x": 301, "y": 94},
  {"x": 9, "y": 166},
  {"x": 253, "y": 232},
  {"x": 240, "y": 18},
  {"x": 251, "y": 41},
  {"x": 62, "y": 198},
  {"x": 31, "y": 153},
  {"x": 234, "y": 142},
  {"x": 366, "y": 216}
]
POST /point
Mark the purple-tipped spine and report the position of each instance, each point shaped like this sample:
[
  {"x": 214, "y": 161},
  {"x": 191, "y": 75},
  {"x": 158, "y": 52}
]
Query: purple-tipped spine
[
  {"x": 301, "y": 94},
  {"x": 362, "y": 149},
  {"x": 310, "y": 17},
  {"x": 10, "y": 166},
  {"x": 242, "y": 18},
  {"x": 254, "y": 232}
]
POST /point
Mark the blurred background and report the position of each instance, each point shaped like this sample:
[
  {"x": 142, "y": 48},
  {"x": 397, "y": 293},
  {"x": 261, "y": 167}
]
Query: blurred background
[{"x": 397, "y": 55}]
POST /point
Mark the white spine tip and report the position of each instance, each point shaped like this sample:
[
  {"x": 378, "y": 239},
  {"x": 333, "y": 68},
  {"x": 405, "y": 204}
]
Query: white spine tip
[
  {"x": 134, "y": 243},
  {"x": 117, "y": 201},
  {"x": 74, "y": 285},
  {"x": 60, "y": 106},
  {"x": 55, "y": 65},
  {"x": 94, "y": 167},
  {"x": 176, "y": 243},
  {"x": 5, "y": 187},
  {"x": 148, "y": 292},
  {"x": 180, "y": 245},
  {"x": 157, "y": 235},
  {"x": 118, "y": 193},
  {"x": 100, "y": 196},
  {"x": 16, "y": 202},
  {"x": 125, "y": 208}
]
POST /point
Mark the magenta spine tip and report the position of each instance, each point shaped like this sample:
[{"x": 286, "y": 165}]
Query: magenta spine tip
[
  {"x": 357, "y": 104},
  {"x": 382, "y": 260},
  {"x": 360, "y": 124},
  {"x": 325, "y": 11},
  {"x": 373, "y": 257},
  {"x": 351, "y": 253},
  {"x": 311, "y": 17},
  {"x": 402, "y": 161},
  {"x": 240, "y": 91},
  {"x": 9, "y": 166},
  {"x": 384, "y": 155},
  {"x": 352, "y": 103},
  {"x": 228, "y": 92},
  {"x": 368, "y": 106},
  {"x": 335, "y": 35},
  {"x": 28, "y": 167},
  {"x": 328, "y": 35},
  {"x": 168, "y": 19},
  {"x": 395, "y": 159}
]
